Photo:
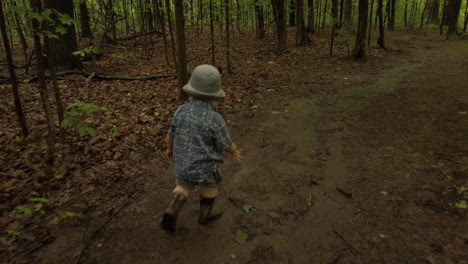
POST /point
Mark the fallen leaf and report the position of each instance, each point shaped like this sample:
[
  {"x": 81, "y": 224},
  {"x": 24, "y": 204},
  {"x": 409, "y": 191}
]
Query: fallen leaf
[{"x": 240, "y": 237}]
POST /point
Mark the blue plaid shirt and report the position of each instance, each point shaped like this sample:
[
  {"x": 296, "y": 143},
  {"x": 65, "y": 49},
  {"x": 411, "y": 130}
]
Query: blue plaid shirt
[{"x": 200, "y": 138}]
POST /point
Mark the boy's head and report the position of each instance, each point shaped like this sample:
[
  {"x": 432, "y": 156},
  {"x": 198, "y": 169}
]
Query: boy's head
[{"x": 205, "y": 83}]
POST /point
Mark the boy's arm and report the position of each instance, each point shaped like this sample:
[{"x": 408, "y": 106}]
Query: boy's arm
[
  {"x": 235, "y": 153},
  {"x": 170, "y": 147}
]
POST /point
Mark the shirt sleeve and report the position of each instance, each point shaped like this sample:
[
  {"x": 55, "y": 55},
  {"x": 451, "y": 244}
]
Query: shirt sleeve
[
  {"x": 172, "y": 127},
  {"x": 222, "y": 139}
]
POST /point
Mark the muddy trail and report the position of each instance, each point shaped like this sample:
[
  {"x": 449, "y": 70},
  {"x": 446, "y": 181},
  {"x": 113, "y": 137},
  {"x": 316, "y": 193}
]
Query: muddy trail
[{"x": 363, "y": 169}]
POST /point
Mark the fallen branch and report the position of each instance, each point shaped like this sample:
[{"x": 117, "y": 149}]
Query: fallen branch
[
  {"x": 346, "y": 194},
  {"x": 136, "y": 35},
  {"x": 99, "y": 76}
]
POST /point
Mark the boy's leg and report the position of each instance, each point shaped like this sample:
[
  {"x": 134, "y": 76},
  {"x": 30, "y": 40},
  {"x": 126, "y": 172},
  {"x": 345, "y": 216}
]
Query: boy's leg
[
  {"x": 209, "y": 192},
  {"x": 180, "y": 195}
]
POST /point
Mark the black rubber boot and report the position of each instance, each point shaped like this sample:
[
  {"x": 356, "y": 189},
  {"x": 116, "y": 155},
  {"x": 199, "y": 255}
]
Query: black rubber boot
[
  {"x": 206, "y": 211},
  {"x": 169, "y": 218}
]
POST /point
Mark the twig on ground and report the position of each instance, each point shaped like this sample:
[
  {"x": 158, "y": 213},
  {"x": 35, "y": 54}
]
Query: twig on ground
[
  {"x": 88, "y": 243},
  {"x": 346, "y": 194},
  {"x": 344, "y": 240},
  {"x": 99, "y": 76}
]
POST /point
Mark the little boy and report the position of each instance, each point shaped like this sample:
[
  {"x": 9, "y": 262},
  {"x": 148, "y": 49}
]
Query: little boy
[{"x": 196, "y": 140}]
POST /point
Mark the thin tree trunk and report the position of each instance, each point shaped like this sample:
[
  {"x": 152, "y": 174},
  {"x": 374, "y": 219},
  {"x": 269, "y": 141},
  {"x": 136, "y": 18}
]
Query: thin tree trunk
[
  {"x": 381, "y": 39},
  {"x": 392, "y": 14},
  {"x": 84, "y": 17},
  {"x": 311, "y": 16},
  {"x": 169, "y": 22},
  {"x": 160, "y": 15},
  {"x": 466, "y": 17},
  {"x": 334, "y": 26},
  {"x": 370, "y": 23},
  {"x": 324, "y": 19},
  {"x": 405, "y": 14},
  {"x": 37, "y": 7},
  {"x": 442, "y": 21},
  {"x": 280, "y": 21},
  {"x": 292, "y": 13},
  {"x": 182, "y": 76},
  {"x": 13, "y": 80},
  {"x": 58, "y": 99},
  {"x": 213, "y": 47},
  {"x": 422, "y": 14},
  {"x": 19, "y": 29},
  {"x": 348, "y": 11},
  {"x": 228, "y": 37},
  {"x": 360, "y": 48},
  {"x": 260, "y": 20}
]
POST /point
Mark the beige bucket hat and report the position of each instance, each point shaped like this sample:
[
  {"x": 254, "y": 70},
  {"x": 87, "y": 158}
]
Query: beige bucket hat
[{"x": 205, "y": 82}]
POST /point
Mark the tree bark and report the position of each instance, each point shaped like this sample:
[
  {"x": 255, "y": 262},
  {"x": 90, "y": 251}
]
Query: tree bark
[
  {"x": 260, "y": 20},
  {"x": 63, "y": 47},
  {"x": 84, "y": 17},
  {"x": 335, "y": 23},
  {"x": 405, "y": 14},
  {"x": 311, "y": 16},
  {"x": 422, "y": 14},
  {"x": 213, "y": 47},
  {"x": 301, "y": 33},
  {"x": 391, "y": 20},
  {"x": 13, "y": 80},
  {"x": 370, "y": 24},
  {"x": 228, "y": 36},
  {"x": 348, "y": 8},
  {"x": 160, "y": 15},
  {"x": 182, "y": 76},
  {"x": 169, "y": 22},
  {"x": 434, "y": 15},
  {"x": 454, "y": 14},
  {"x": 381, "y": 39},
  {"x": 360, "y": 48},
  {"x": 37, "y": 7},
  {"x": 292, "y": 13},
  {"x": 280, "y": 21},
  {"x": 466, "y": 17}
]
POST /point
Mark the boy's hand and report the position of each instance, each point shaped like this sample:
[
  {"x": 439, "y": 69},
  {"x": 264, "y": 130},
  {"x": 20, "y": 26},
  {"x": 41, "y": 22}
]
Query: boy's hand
[
  {"x": 235, "y": 154},
  {"x": 169, "y": 154}
]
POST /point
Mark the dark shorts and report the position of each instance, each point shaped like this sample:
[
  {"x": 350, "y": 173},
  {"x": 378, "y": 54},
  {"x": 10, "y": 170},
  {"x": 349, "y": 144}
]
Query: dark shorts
[{"x": 213, "y": 181}]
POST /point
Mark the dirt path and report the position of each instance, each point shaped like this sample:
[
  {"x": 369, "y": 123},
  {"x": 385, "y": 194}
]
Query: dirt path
[{"x": 349, "y": 172}]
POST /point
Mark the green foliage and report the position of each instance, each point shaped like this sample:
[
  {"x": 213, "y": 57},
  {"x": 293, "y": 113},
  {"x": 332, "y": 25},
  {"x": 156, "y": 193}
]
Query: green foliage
[
  {"x": 123, "y": 56},
  {"x": 240, "y": 237},
  {"x": 13, "y": 233},
  {"x": 76, "y": 115},
  {"x": 26, "y": 211},
  {"x": 23, "y": 211},
  {"x": 86, "y": 51},
  {"x": 56, "y": 21},
  {"x": 249, "y": 208},
  {"x": 56, "y": 219}
]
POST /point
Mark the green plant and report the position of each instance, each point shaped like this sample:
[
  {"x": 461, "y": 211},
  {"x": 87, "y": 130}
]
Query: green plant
[
  {"x": 123, "y": 56},
  {"x": 38, "y": 205},
  {"x": 76, "y": 115},
  {"x": 13, "y": 233},
  {"x": 56, "y": 219},
  {"x": 86, "y": 51}
]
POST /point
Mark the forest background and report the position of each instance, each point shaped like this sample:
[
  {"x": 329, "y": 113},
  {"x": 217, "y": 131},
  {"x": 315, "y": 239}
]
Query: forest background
[{"x": 114, "y": 69}]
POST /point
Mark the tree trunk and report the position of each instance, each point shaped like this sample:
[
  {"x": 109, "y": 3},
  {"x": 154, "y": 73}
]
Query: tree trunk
[
  {"x": 228, "y": 37},
  {"x": 422, "y": 14},
  {"x": 13, "y": 80},
  {"x": 392, "y": 10},
  {"x": 360, "y": 48},
  {"x": 169, "y": 22},
  {"x": 292, "y": 13},
  {"x": 454, "y": 14},
  {"x": 19, "y": 29},
  {"x": 113, "y": 22},
  {"x": 335, "y": 21},
  {"x": 213, "y": 47},
  {"x": 370, "y": 24},
  {"x": 311, "y": 16},
  {"x": 37, "y": 7},
  {"x": 182, "y": 76},
  {"x": 324, "y": 19},
  {"x": 84, "y": 18},
  {"x": 280, "y": 21},
  {"x": 63, "y": 47},
  {"x": 260, "y": 20},
  {"x": 405, "y": 14},
  {"x": 348, "y": 7},
  {"x": 434, "y": 15},
  {"x": 301, "y": 34},
  {"x": 466, "y": 17},
  {"x": 381, "y": 39},
  {"x": 160, "y": 15}
]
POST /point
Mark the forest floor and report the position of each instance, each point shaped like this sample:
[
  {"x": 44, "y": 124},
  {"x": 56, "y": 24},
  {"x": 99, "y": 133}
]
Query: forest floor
[{"x": 345, "y": 162}]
